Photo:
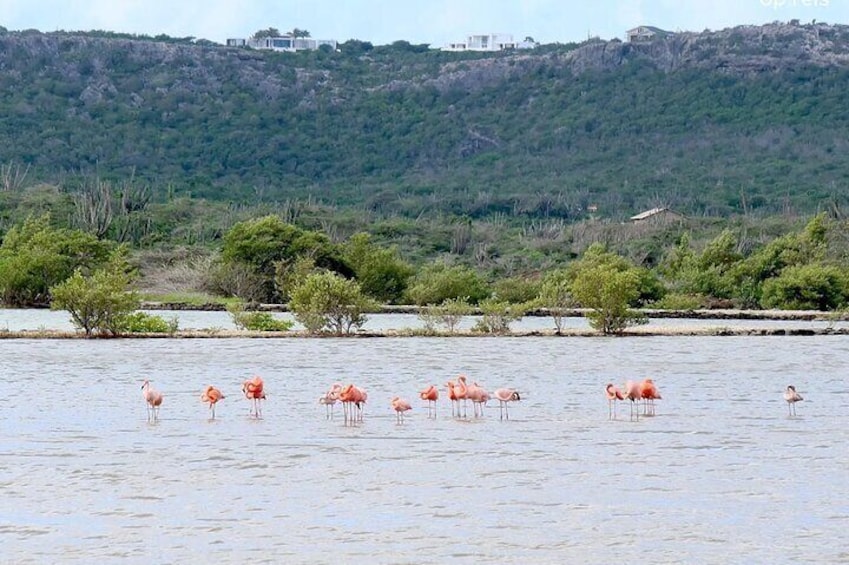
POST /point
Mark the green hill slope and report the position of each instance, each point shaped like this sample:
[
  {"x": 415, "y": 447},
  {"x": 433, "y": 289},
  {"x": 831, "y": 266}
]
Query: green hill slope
[{"x": 712, "y": 123}]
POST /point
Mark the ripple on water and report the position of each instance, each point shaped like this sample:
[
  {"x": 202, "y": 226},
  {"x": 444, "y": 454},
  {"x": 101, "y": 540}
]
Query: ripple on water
[{"x": 706, "y": 480}]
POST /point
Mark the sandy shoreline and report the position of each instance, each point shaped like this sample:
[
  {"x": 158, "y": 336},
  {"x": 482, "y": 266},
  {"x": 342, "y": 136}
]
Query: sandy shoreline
[{"x": 640, "y": 331}]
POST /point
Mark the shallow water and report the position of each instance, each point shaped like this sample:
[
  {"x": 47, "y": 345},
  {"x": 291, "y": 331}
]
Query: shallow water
[{"x": 720, "y": 475}]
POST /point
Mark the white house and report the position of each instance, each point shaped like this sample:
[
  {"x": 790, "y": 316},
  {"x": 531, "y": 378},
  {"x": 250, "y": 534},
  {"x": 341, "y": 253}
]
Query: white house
[
  {"x": 646, "y": 33},
  {"x": 286, "y": 42},
  {"x": 488, "y": 42}
]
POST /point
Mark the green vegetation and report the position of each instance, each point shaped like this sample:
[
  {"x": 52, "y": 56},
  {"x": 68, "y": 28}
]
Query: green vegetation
[
  {"x": 34, "y": 256},
  {"x": 450, "y": 313},
  {"x": 437, "y": 282},
  {"x": 555, "y": 295},
  {"x": 326, "y": 301},
  {"x": 401, "y": 174},
  {"x": 608, "y": 286},
  {"x": 497, "y": 315},
  {"x": 257, "y": 320},
  {"x": 142, "y": 322},
  {"x": 529, "y": 135},
  {"x": 101, "y": 302},
  {"x": 382, "y": 274}
]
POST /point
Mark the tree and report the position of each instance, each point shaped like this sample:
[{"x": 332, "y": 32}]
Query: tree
[
  {"x": 356, "y": 47},
  {"x": 35, "y": 256},
  {"x": 380, "y": 271},
  {"x": 297, "y": 32},
  {"x": 100, "y": 302},
  {"x": 258, "y": 321},
  {"x": 438, "y": 282},
  {"x": 608, "y": 291},
  {"x": 807, "y": 287},
  {"x": 556, "y": 296},
  {"x": 269, "y": 32},
  {"x": 327, "y": 301},
  {"x": 452, "y": 311},
  {"x": 497, "y": 315},
  {"x": 261, "y": 243}
]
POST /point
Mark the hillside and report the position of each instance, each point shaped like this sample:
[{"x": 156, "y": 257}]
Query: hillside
[{"x": 746, "y": 119}]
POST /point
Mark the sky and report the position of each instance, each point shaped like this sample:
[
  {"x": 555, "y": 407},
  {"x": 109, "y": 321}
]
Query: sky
[{"x": 436, "y": 22}]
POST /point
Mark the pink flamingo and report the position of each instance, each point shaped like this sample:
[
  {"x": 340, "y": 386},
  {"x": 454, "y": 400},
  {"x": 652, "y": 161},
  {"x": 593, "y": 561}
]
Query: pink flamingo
[
  {"x": 452, "y": 395},
  {"x": 792, "y": 397},
  {"x": 634, "y": 394},
  {"x": 461, "y": 391},
  {"x": 153, "y": 400},
  {"x": 613, "y": 394},
  {"x": 479, "y": 397},
  {"x": 400, "y": 406},
  {"x": 649, "y": 392},
  {"x": 505, "y": 395},
  {"x": 353, "y": 399},
  {"x": 330, "y": 398},
  {"x": 254, "y": 390},
  {"x": 431, "y": 394},
  {"x": 211, "y": 395}
]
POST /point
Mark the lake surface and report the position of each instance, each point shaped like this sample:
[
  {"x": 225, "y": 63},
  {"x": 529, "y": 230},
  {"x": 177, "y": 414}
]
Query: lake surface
[{"x": 720, "y": 475}]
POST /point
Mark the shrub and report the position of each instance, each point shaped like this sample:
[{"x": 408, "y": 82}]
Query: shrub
[
  {"x": 327, "y": 301},
  {"x": 438, "y": 282},
  {"x": 608, "y": 291},
  {"x": 516, "y": 290},
  {"x": 497, "y": 315},
  {"x": 676, "y": 301},
  {"x": 256, "y": 320},
  {"x": 142, "y": 322},
  {"x": 381, "y": 272},
  {"x": 452, "y": 311},
  {"x": 98, "y": 303},
  {"x": 556, "y": 296},
  {"x": 34, "y": 257},
  {"x": 807, "y": 287}
]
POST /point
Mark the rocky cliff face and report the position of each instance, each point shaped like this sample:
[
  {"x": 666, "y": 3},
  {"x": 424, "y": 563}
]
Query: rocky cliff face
[{"x": 742, "y": 50}]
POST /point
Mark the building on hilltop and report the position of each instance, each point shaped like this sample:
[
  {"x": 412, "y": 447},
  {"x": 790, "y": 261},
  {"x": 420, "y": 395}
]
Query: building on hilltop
[
  {"x": 489, "y": 42},
  {"x": 288, "y": 43},
  {"x": 641, "y": 34}
]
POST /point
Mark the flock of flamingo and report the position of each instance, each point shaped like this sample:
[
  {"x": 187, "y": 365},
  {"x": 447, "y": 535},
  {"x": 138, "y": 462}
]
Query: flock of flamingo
[
  {"x": 647, "y": 392},
  {"x": 353, "y": 399},
  {"x": 459, "y": 392}
]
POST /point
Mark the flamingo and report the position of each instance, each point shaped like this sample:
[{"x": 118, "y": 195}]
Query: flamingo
[
  {"x": 792, "y": 397},
  {"x": 479, "y": 397},
  {"x": 613, "y": 394},
  {"x": 461, "y": 391},
  {"x": 400, "y": 406},
  {"x": 505, "y": 395},
  {"x": 254, "y": 391},
  {"x": 634, "y": 394},
  {"x": 452, "y": 396},
  {"x": 431, "y": 394},
  {"x": 330, "y": 398},
  {"x": 353, "y": 398},
  {"x": 211, "y": 395},
  {"x": 153, "y": 400},
  {"x": 649, "y": 392}
]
